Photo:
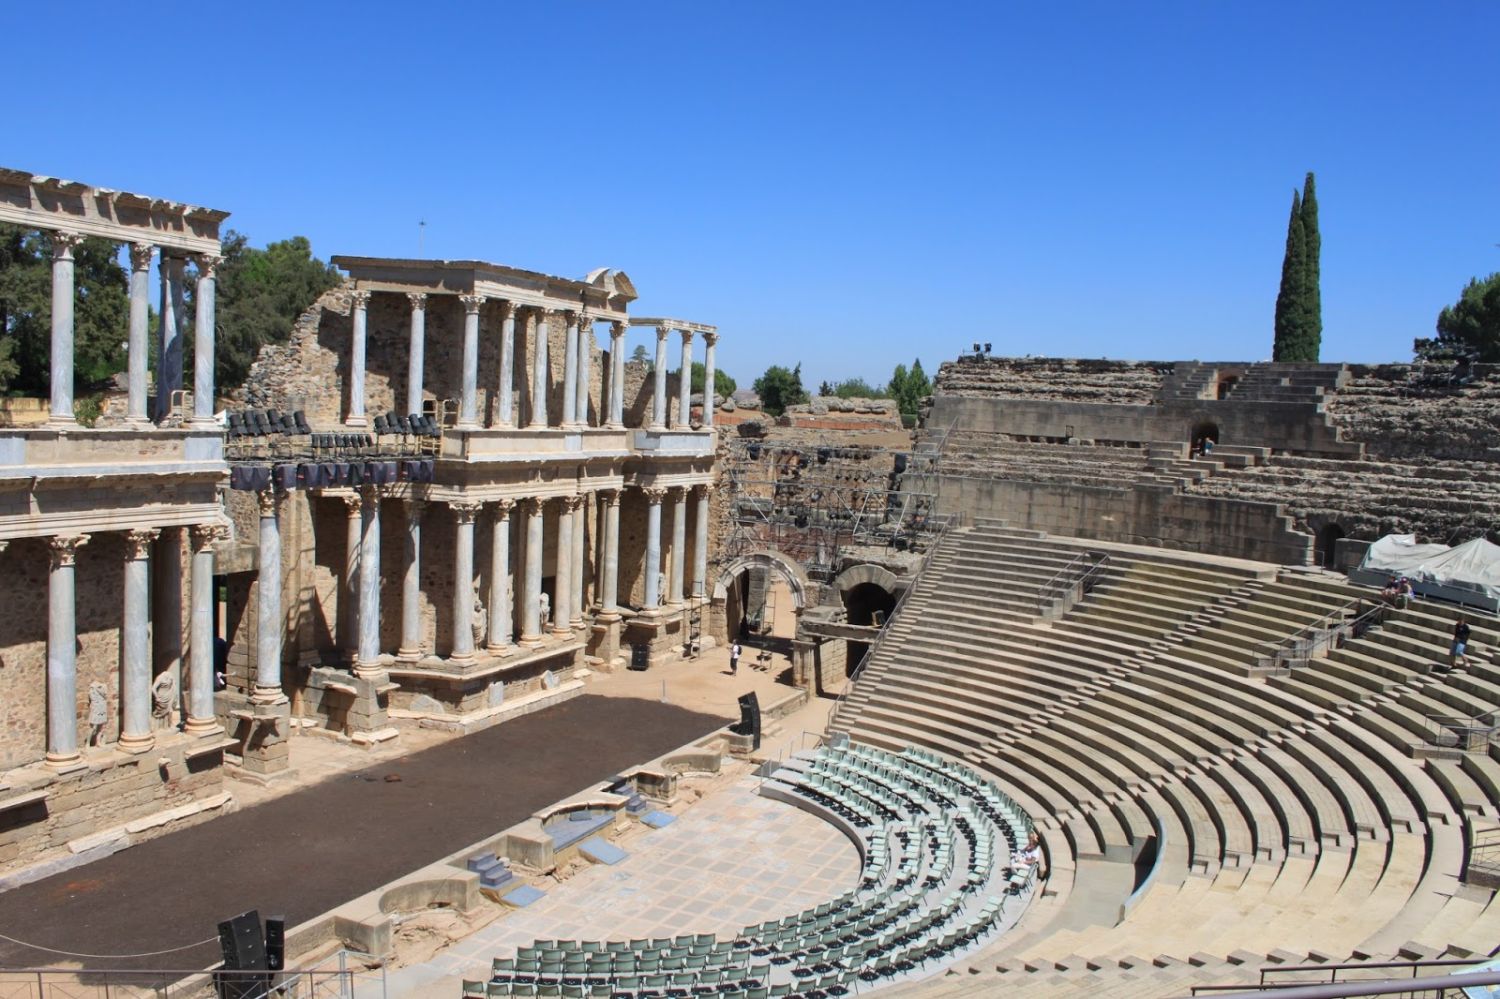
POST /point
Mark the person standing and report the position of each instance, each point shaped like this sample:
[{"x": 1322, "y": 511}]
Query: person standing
[
  {"x": 734, "y": 658},
  {"x": 1459, "y": 655}
]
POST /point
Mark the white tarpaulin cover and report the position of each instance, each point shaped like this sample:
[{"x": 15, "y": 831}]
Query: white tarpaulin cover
[{"x": 1473, "y": 565}]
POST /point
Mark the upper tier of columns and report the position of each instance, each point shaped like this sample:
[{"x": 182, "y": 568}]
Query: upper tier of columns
[
  {"x": 572, "y": 368},
  {"x": 170, "y": 340}
]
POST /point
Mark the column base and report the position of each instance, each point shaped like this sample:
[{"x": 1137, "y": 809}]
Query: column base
[
  {"x": 465, "y": 659},
  {"x": 139, "y": 422},
  {"x": 268, "y": 695},
  {"x": 357, "y": 421},
  {"x": 531, "y": 641},
  {"x": 135, "y": 744},
  {"x": 657, "y": 428},
  {"x": 468, "y": 425},
  {"x": 65, "y": 761},
  {"x": 562, "y": 632},
  {"x": 408, "y": 655},
  {"x": 60, "y": 422},
  {"x": 614, "y": 426},
  {"x": 201, "y": 727},
  {"x": 202, "y": 422},
  {"x": 501, "y": 651},
  {"x": 369, "y": 671}
]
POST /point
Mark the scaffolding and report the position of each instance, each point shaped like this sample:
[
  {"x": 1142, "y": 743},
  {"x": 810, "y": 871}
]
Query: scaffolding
[{"x": 816, "y": 502}]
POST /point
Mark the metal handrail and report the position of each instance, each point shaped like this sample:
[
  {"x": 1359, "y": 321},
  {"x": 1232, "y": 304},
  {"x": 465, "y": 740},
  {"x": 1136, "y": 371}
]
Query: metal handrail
[
  {"x": 875, "y": 646},
  {"x": 1330, "y": 630},
  {"x": 1053, "y": 589}
]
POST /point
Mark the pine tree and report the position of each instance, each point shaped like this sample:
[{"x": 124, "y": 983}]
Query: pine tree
[
  {"x": 1289, "y": 300},
  {"x": 1312, "y": 303}
]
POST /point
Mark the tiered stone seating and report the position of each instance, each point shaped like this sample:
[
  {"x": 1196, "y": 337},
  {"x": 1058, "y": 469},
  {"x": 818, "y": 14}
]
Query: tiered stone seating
[
  {"x": 1285, "y": 382},
  {"x": 934, "y": 839},
  {"x": 1268, "y": 814},
  {"x": 998, "y": 455},
  {"x": 1075, "y": 380}
]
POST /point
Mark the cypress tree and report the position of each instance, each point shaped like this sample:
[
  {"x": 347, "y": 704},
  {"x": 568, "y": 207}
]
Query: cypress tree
[
  {"x": 1312, "y": 302},
  {"x": 1289, "y": 299}
]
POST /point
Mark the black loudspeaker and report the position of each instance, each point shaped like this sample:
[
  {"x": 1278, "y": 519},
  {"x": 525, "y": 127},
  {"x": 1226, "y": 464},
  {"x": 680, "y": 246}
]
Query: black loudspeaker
[
  {"x": 640, "y": 657},
  {"x": 749, "y": 723},
  {"x": 275, "y": 943},
  {"x": 244, "y": 950}
]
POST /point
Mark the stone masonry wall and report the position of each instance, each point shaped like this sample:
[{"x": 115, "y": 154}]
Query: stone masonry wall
[{"x": 1417, "y": 411}]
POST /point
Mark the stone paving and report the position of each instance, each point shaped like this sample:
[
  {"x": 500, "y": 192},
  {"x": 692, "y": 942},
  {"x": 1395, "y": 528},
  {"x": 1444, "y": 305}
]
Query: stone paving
[{"x": 732, "y": 859}]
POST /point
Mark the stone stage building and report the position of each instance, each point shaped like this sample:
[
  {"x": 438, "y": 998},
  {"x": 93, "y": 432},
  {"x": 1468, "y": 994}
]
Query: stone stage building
[
  {"x": 559, "y": 520},
  {"x": 1311, "y": 461}
]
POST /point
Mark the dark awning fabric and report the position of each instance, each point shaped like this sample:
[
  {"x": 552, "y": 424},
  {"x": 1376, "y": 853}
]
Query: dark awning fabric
[{"x": 251, "y": 478}]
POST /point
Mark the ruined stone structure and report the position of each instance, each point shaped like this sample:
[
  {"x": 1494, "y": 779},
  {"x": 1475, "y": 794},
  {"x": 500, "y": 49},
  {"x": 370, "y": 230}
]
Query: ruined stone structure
[
  {"x": 1305, "y": 455},
  {"x": 107, "y": 547}
]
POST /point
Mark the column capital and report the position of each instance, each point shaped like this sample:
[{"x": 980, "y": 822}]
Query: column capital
[
  {"x": 687, "y": 337},
  {"x": 371, "y": 495},
  {"x": 351, "y": 505},
  {"x": 267, "y": 498},
  {"x": 464, "y": 511},
  {"x": 679, "y": 493},
  {"x": 206, "y": 263},
  {"x": 503, "y": 507},
  {"x": 541, "y": 313},
  {"x": 572, "y": 503},
  {"x": 710, "y": 337},
  {"x": 662, "y": 332},
  {"x": 531, "y": 505},
  {"x": 140, "y": 256},
  {"x": 204, "y": 535},
  {"x": 360, "y": 297},
  {"x": 418, "y": 300},
  {"x": 63, "y": 244},
  {"x": 654, "y": 494},
  {"x": 703, "y": 489},
  {"x": 138, "y": 543},
  {"x": 585, "y": 323},
  {"x": 472, "y": 303},
  {"x": 506, "y": 308},
  {"x": 572, "y": 315},
  {"x": 611, "y": 496},
  {"x": 415, "y": 507},
  {"x": 617, "y": 328},
  {"x": 63, "y": 548}
]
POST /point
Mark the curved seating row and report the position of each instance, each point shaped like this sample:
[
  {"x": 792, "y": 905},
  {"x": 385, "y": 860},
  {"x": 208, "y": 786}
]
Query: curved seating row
[{"x": 932, "y": 885}]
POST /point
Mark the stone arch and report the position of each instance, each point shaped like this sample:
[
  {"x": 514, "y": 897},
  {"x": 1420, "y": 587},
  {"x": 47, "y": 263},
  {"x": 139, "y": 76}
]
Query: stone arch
[
  {"x": 856, "y": 575},
  {"x": 784, "y": 566}
]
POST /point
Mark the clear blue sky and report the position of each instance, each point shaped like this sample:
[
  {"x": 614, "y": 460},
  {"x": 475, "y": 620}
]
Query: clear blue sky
[{"x": 845, "y": 185}]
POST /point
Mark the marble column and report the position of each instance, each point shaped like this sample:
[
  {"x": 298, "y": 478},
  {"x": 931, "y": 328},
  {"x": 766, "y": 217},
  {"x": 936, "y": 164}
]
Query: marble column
[
  {"x": 659, "y": 393},
  {"x": 140, "y": 332},
  {"x": 169, "y": 325},
  {"x": 504, "y": 416},
  {"x": 166, "y": 607},
  {"x": 539, "y": 371},
  {"x": 414, "y": 359},
  {"x": 203, "y": 340},
  {"x": 367, "y": 662},
  {"x": 700, "y": 543},
  {"x": 685, "y": 383},
  {"x": 617, "y": 375},
  {"x": 62, "y": 327},
  {"x": 575, "y": 620},
  {"x": 350, "y": 600},
  {"x": 62, "y": 657},
  {"x": 679, "y": 547},
  {"x": 464, "y": 512},
  {"x": 570, "y": 371},
  {"x": 562, "y": 577},
  {"x": 411, "y": 585},
  {"x": 585, "y": 360},
  {"x": 654, "y": 495},
  {"x": 710, "y": 340},
  {"x": 499, "y": 632},
  {"x": 201, "y": 717},
  {"x": 360, "y": 305},
  {"x": 268, "y": 617},
  {"x": 135, "y": 666},
  {"x": 531, "y": 594},
  {"x": 609, "y": 597},
  {"x": 468, "y": 398}
]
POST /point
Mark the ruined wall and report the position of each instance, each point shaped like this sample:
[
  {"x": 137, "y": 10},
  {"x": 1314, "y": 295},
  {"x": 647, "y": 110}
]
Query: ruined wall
[
  {"x": 1056, "y": 378},
  {"x": 1421, "y": 411}
]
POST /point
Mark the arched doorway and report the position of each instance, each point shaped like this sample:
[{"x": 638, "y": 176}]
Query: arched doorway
[
  {"x": 1204, "y": 430},
  {"x": 868, "y": 593},
  {"x": 1325, "y": 547},
  {"x": 762, "y": 594}
]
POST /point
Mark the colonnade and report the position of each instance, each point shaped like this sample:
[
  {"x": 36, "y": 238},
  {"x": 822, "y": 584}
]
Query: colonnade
[
  {"x": 659, "y": 421},
  {"x": 536, "y": 320},
  {"x": 135, "y": 667},
  {"x": 172, "y": 322},
  {"x": 507, "y": 572}
]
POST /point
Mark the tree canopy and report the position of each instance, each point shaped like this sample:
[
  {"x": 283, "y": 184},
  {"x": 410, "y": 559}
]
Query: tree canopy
[
  {"x": 101, "y": 312},
  {"x": 853, "y": 388},
  {"x": 909, "y": 387},
  {"x": 258, "y": 296},
  {"x": 724, "y": 385},
  {"x": 1469, "y": 326},
  {"x": 1299, "y": 306},
  {"x": 779, "y": 388}
]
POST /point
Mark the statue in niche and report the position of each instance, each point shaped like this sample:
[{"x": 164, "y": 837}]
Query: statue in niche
[
  {"x": 163, "y": 697},
  {"x": 480, "y": 620},
  {"x": 98, "y": 712},
  {"x": 545, "y": 610}
]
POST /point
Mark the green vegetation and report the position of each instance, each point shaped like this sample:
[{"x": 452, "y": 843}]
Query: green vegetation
[
  {"x": 853, "y": 388},
  {"x": 779, "y": 388},
  {"x": 1469, "y": 326},
  {"x": 1299, "y": 305},
  {"x": 909, "y": 387},
  {"x": 724, "y": 385}
]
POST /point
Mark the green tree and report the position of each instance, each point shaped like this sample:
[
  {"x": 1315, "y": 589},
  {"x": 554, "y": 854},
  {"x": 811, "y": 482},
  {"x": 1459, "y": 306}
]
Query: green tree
[
  {"x": 258, "y": 296},
  {"x": 101, "y": 309},
  {"x": 1469, "y": 326},
  {"x": 724, "y": 385},
  {"x": 1299, "y": 309},
  {"x": 909, "y": 387},
  {"x": 640, "y": 356},
  {"x": 779, "y": 388},
  {"x": 857, "y": 388}
]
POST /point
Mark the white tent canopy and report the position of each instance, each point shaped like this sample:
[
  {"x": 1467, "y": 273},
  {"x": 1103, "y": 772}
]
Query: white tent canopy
[{"x": 1473, "y": 565}]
